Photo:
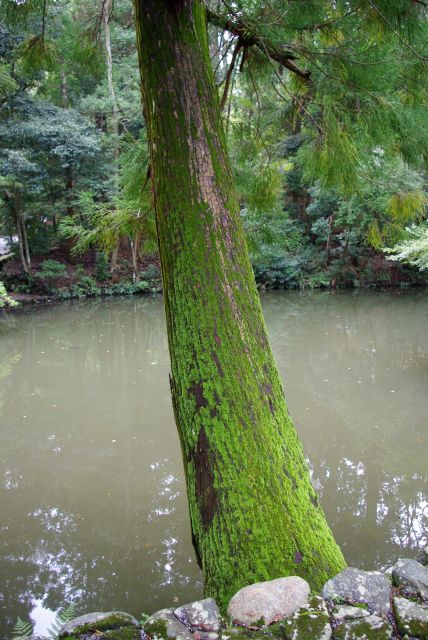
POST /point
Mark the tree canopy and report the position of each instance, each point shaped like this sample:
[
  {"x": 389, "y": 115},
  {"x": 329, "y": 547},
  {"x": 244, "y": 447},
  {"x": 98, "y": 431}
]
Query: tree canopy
[{"x": 324, "y": 105}]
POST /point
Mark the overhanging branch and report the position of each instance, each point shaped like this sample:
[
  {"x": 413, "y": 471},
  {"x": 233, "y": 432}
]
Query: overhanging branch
[{"x": 248, "y": 38}]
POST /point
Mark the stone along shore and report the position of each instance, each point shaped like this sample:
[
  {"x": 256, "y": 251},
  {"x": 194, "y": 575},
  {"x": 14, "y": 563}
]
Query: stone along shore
[{"x": 354, "y": 605}]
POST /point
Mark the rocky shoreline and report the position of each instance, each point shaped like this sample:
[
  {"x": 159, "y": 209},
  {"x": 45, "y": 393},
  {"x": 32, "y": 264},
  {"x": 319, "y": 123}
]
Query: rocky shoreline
[{"x": 354, "y": 605}]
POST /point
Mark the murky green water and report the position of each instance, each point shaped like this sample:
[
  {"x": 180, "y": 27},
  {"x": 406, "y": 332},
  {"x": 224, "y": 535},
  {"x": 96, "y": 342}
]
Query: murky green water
[{"x": 93, "y": 505}]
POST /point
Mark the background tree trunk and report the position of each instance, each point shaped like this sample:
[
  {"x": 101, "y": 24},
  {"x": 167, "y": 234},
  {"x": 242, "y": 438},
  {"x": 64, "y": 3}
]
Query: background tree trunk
[
  {"x": 106, "y": 11},
  {"x": 254, "y": 512}
]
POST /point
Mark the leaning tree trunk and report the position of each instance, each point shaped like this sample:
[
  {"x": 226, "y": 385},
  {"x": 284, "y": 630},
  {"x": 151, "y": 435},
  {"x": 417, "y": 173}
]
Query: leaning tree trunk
[{"x": 254, "y": 512}]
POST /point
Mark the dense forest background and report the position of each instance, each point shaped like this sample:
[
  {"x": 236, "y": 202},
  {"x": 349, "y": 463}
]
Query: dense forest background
[{"x": 330, "y": 172}]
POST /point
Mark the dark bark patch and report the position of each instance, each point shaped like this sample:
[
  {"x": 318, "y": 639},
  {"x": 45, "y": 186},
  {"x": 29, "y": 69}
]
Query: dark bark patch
[
  {"x": 206, "y": 494},
  {"x": 217, "y": 363},
  {"x": 314, "y": 499},
  {"x": 198, "y": 392}
]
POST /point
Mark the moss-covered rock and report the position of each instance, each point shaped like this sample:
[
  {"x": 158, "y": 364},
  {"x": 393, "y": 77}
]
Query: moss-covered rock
[
  {"x": 346, "y": 612},
  {"x": 203, "y": 615},
  {"x": 412, "y": 618},
  {"x": 248, "y": 634},
  {"x": 106, "y": 625},
  {"x": 163, "y": 624},
  {"x": 310, "y": 622},
  {"x": 353, "y": 586},
  {"x": 369, "y": 628}
]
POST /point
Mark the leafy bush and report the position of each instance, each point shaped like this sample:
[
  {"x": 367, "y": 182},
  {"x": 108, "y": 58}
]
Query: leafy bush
[
  {"x": 278, "y": 270},
  {"x": 101, "y": 267},
  {"x": 51, "y": 271},
  {"x": 152, "y": 279},
  {"x": 142, "y": 286},
  {"x": 5, "y": 299},
  {"x": 414, "y": 249},
  {"x": 89, "y": 286}
]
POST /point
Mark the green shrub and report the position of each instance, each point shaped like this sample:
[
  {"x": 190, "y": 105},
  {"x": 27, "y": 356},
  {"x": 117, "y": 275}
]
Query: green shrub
[
  {"x": 5, "y": 299},
  {"x": 89, "y": 286},
  {"x": 101, "y": 267},
  {"x": 275, "y": 270},
  {"x": 51, "y": 271}
]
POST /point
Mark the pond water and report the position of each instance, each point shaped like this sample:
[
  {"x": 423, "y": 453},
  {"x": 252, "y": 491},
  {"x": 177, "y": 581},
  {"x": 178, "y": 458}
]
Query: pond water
[{"x": 93, "y": 504}]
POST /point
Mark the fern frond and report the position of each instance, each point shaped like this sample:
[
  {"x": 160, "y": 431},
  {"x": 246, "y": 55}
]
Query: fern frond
[
  {"x": 62, "y": 618},
  {"x": 22, "y": 629}
]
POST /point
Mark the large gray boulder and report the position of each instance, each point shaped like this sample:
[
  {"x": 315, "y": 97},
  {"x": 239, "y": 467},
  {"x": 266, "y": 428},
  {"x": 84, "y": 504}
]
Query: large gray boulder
[
  {"x": 353, "y": 586},
  {"x": 411, "y": 575},
  {"x": 203, "y": 615},
  {"x": 268, "y": 602},
  {"x": 99, "y": 621},
  {"x": 412, "y": 618},
  {"x": 368, "y": 628}
]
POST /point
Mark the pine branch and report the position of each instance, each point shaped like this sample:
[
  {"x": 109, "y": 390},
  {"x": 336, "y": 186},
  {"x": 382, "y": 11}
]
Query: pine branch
[
  {"x": 229, "y": 74},
  {"x": 249, "y": 37},
  {"x": 327, "y": 23},
  {"x": 395, "y": 32}
]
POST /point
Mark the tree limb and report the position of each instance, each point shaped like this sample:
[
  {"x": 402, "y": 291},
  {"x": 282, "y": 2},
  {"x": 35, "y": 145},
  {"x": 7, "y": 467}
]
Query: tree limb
[
  {"x": 229, "y": 74},
  {"x": 248, "y": 38}
]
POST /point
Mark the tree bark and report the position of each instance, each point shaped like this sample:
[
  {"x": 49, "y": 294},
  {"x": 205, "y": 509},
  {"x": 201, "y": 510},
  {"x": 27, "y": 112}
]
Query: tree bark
[
  {"x": 69, "y": 187},
  {"x": 26, "y": 248},
  {"x": 24, "y": 252},
  {"x": 106, "y": 11},
  {"x": 135, "y": 243},
  {"x": 64, "y": 88},
  {"x": 254, "y": 512},
  {"x": 20, "y": 243}
]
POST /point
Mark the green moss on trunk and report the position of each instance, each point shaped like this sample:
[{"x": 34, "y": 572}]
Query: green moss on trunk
[{"x": 254, "y": 512}]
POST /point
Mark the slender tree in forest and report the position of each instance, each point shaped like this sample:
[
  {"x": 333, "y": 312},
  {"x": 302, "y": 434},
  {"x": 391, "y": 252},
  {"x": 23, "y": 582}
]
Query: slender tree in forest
[{"x": 254, "y": 512}]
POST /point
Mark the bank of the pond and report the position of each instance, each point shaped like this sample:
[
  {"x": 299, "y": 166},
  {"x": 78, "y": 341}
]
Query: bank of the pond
[
  {"x": 79, "y": 291},
  {"x": 18, "y": 301},
  {"x": 58, "y": 278},
  {"x": 354, "y": 605},
  {"x": 62, "y": 276}
]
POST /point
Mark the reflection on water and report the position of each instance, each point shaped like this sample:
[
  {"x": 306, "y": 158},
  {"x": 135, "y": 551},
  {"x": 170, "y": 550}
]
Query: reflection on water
[
  {"x": 91, "y": 485},
  {"x": 355, "y": 367}
]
